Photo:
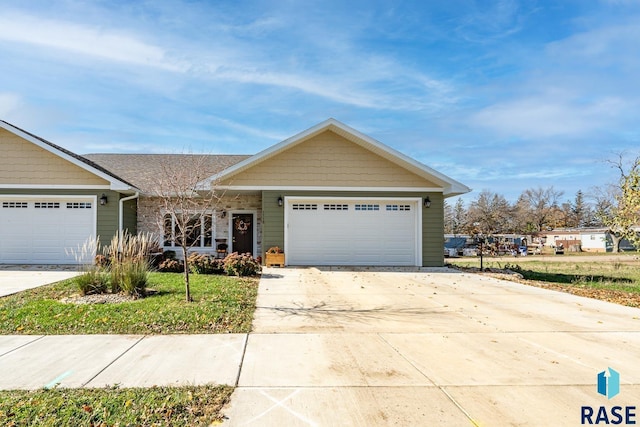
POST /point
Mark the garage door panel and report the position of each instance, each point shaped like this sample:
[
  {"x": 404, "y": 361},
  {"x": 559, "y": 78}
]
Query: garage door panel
[
  {"x": 43, "y": 228},
  {"x": 352, "y": 232}
]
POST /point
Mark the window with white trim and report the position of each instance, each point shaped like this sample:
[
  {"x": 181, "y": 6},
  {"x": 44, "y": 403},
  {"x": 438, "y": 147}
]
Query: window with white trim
[
  {"x": 78, "y": 205},
  {"x": 360, "y": 207},
  {"x": 398, "y": 207},
  {"x": 304, "y": 207},
  {"x": 15, "y": 205},
  {"x": 198, "y": 231},
  {"x": 335, "y": 207},
  {"x": 47, "y": 205}
]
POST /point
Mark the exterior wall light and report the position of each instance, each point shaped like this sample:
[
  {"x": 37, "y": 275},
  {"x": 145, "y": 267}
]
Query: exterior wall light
[
  {"x": 427, "y": 202},
  {"x": 280, "y": 201},
  {"x": 103, "y": 199}
]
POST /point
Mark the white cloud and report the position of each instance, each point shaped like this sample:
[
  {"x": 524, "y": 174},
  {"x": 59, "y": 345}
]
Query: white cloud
[
  {"x": 81, "y": 39},
  {"x": 537, "y": 117}
]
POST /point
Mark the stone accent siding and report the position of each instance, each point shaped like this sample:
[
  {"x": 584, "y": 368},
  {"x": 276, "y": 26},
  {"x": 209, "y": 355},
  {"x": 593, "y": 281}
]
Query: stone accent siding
[{"x": 150, "y": 217}]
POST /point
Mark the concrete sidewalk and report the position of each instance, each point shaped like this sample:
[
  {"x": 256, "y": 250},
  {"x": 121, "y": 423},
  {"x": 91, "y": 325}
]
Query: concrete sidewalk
[{"x": 33, "y": 362}]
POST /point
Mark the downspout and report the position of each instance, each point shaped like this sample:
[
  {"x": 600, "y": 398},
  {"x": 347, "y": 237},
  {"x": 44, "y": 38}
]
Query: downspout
[{"x": 121, "y": 212}]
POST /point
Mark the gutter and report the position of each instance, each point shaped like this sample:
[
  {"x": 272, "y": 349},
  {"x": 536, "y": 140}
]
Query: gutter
[{"x": 121, "y": 211}]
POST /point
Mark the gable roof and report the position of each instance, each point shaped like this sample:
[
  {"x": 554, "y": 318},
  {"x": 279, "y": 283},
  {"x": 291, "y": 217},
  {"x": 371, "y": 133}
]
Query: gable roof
[
  {"x": 143, "y": 169},
  {"x": 116, "y": 183},
  {"x": 450, "y": 187}
]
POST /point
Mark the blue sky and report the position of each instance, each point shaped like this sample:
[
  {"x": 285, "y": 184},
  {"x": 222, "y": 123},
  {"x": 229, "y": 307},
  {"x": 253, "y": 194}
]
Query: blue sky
[{"x": 500, "y": 95}]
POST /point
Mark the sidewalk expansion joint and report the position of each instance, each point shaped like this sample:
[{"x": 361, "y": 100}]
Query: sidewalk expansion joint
[
  {"x": 22, "y": 346},
  {"x": 244, "y": 351},
  {"x": 113, "y": 361},
  {"x": 441, "y": 388}
]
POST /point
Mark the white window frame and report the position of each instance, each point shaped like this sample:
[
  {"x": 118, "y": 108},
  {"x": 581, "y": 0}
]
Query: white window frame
[{"x": 200, "y": 246}]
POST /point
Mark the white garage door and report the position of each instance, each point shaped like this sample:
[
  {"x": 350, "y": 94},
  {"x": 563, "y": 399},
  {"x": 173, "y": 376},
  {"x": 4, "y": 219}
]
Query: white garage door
[
  {"x": 321, "y": 231},
  {"x": 37, "y": 230}
]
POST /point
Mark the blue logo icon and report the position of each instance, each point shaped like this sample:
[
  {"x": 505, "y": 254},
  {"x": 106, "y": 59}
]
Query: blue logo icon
[{"x": 609, "y": 383}]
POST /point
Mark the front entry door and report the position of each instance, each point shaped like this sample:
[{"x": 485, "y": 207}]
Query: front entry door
[{"x": 242, "y": 235}]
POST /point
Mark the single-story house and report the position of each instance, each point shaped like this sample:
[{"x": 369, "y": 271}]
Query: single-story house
[{"x": 329, "y": 195}]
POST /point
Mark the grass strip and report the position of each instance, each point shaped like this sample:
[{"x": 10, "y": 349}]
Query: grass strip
[{"x": 156, "y": 406}]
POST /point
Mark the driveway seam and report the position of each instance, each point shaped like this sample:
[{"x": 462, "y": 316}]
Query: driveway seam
[
  {"x": 441, "y": 388},
  {"x": 113, "y": 361}
]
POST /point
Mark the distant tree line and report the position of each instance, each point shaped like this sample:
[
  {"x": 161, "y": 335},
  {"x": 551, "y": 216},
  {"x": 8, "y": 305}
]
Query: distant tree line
[
  {"x": 536, "y": 209},
  {"x": 615, "y": 207}
]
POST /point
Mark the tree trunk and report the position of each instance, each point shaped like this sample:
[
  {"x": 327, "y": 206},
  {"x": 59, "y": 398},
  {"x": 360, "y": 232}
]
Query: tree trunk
[
  {"x": 186, "y": 275},
  {"x": 615, "y": 240}
]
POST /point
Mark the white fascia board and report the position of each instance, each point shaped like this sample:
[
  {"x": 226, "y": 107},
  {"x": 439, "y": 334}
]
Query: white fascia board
[
  {"x": 311, "y": 188},
  {"x": 55, "y": 187},
  {"x": 115, "y": 184}
]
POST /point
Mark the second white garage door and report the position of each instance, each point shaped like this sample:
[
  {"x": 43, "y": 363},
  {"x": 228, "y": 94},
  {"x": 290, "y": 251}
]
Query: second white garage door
[
  {"x": 370, "y": 231},
  {"x": 40, "y": 230}
]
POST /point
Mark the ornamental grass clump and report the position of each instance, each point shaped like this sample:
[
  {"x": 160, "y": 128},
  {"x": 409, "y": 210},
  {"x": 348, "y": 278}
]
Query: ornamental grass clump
[
  {"x": 129, "y": 263},
  {"x": 93, "y": 278}
]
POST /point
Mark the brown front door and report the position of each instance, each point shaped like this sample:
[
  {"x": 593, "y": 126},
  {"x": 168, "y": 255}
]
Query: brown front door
[{"x": 242, "y": 237}]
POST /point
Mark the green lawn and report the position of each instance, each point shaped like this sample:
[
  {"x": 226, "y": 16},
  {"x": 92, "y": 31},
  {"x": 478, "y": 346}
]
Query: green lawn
[
  {"x": 157, "y": 406},
  {"x": 221, "y": 304}
]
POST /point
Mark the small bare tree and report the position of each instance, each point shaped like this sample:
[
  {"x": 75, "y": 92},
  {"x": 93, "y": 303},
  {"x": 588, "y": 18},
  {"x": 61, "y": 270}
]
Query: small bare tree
[
  {"x": 186, "y": 206},
  {"x": 618, "y": 206}
]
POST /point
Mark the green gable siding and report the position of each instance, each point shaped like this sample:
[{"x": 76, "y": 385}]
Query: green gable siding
[{"x": 432, "y": 219}]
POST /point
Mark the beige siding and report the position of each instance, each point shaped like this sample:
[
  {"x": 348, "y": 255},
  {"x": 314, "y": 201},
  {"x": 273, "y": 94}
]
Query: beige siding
[
  {"x": 26, "y": 163},
  {"x": 328, "y": 160}
]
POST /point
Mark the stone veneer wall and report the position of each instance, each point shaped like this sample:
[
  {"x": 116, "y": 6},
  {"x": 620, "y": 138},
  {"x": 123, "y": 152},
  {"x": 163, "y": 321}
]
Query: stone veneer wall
[{"x": 148, "y": 215}]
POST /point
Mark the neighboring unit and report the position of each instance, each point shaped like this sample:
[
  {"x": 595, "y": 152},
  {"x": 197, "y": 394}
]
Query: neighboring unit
[{"x": 328, "y": 196}]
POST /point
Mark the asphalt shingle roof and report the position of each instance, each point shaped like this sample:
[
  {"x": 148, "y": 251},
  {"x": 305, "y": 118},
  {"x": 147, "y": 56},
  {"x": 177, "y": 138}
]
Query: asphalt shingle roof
[{"x": 142, "y": 169}]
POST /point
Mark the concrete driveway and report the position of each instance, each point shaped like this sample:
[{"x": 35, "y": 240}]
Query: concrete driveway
[
  {"x": 17, "y": 278},
  {"x": 432, "y": 348}
]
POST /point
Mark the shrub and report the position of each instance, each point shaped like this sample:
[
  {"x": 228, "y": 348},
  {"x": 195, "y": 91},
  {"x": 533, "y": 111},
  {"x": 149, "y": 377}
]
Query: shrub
[
  {"x": 205, "y": 264},
  {"x": 101, "y": 261},
  {"x": 92, "y": 281},
  {"x": 241, "y": 265},
  {"x": 170, "y": 266}
]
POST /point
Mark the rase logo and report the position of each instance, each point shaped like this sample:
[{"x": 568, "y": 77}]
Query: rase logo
[{"x": 608, "y": 385}]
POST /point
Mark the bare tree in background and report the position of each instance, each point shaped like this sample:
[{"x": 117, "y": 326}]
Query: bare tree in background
[
  {"x": 540, "y": 207},
  {"x": 185, "y": 207}
]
